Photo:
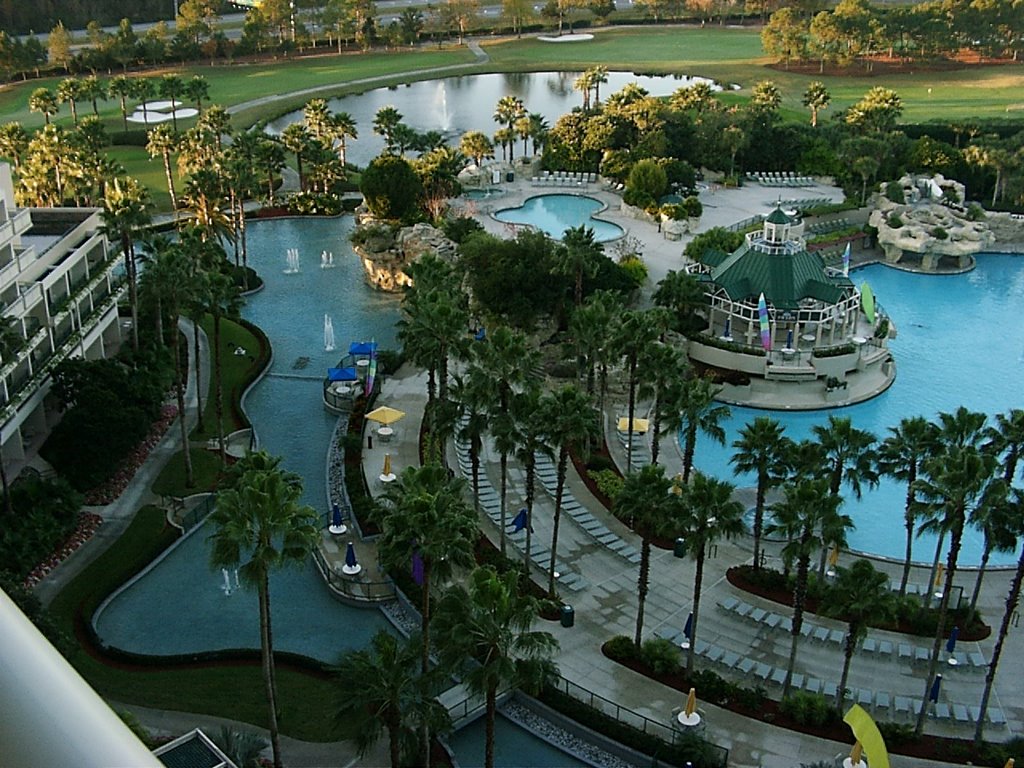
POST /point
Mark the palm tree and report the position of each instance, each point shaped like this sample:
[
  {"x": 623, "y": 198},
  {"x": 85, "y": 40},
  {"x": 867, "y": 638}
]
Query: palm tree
[
  {"x": 43, "y": 100},
  {"x": 168, "y": 278},
  {"x": 485, "y": 632},
  {"x": 144, "y": 89},
  {"x": 578, "y": 256},
  {"x": 69, "y": 90},
  {"x": 172, "y": 88},
  {"x": 569, "y": 421},
  {"x": 761, "y": 449},
  {"x": 261, "y": 527},
  {"x": 269, "y": 158},
  {"x": 592, "y": 327},
  {"x": 296, "y": 139},
  {"x": 380, "y": 688},
  {"x": 477, "y": 145},
  {"x": 681, "y": 293},
  {"x": 94, "y": 89},
  {"x": 806, "y": 503},
  {"x": 197, "y": 89},
  {"x": 584, "y": 84},
  {"x": 598, "y": 77},
  {"x": 343, "y": 127},
  {"x": 429, "y": 527},
  {"x": 957, "y": 481},
  {"x": 1012, "y": 599},
  {"x": 162, "y": 142},
  {"x": 665, "y": 369},
  {"x": 850, "y": 459},
  {"x": 13, "y": 143},
  {"x": 709, "y": 514},
  {"x": 224, "y": 301},
  {"x": 859, "y": 594},
  {"x": 527, "y": 434},
  {"x": 217, "y": 122},
  {"x": 700, "y": 412},
  {"x": 508, "y": 110},
  {"x": 122, "y": 88},
  {"x": 998, "y": 527},
  {"x": 636, "y": 329},
  {"x": 471, "y": 395},
  {"x": 899, "y": 457},
  {"x": 204, "y": 195},
  {"x": 539, "y": 130},
  {"x": 816, "y": 98},
  {"x": 125, "y": 204},
  {"x": 1006, "y": 437},
  {"x": 647, "y": 505},
  {"x": 385, "y": 124}
]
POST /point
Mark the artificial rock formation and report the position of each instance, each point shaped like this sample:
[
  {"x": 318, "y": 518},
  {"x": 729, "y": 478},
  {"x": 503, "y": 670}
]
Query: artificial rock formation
[
  {"x": 387, "y": 253},
  {"x": 929, "y": 225}
]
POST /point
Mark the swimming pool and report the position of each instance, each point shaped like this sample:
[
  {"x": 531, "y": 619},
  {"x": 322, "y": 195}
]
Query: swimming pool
[
  {"x": 514, "y": 746},
  {"x": 554, "y": 214},
  {"x": 955, "y": 347}
]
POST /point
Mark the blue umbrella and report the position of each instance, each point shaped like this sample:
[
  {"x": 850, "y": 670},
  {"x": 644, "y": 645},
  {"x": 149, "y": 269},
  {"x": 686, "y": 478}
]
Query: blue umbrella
[
  {"x": 688, "y": 629},
  {"x": 350, "y": 556},
  {"x": 727, "y": 331},
  {"x": 954, "y": 633},
  {"x": 934, "y": 695},
  {"x": 336, "y": 517},
  {"x": 789, "y": 339}
]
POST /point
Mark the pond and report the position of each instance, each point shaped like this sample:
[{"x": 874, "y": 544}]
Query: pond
[{"x": 454, "y": 105}]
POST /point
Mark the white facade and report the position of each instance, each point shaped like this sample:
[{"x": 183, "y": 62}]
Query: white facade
[{"x": 59, "y": 285}]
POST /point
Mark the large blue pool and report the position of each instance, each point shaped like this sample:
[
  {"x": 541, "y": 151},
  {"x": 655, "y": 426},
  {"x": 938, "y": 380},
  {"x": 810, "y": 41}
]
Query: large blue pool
[
  {"x": 958, "y": 344},
  {"x": 554, "y": 214}
]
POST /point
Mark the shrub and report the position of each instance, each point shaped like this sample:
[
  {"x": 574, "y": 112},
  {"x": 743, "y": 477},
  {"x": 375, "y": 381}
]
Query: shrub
[
  {"x": 647, "y": 177},
  {"x": 894, "y": 221},
  {"x": 694, "y": 207},
  {"x": 599, "y": 462},
  {"x": 391, "y": 188},
  {"x": 939, "y": 233},
  {"x": 808, "y": 708},
  {"x": 660, "y": 655},
  {"x": 975, "y": 212},
  {"x": 314, "y": 204},
  {"x": 716, "y": 238},
  {"x": 621, "y": 648},
  {"x": 894, "y": 191},
  {"x": 639, "y": 199},
  {"x": 377, "y": 236},
  {"x": 635, "y": 268},
  {"x": 896, "y": 733},
  {"x": 389, "y": 360},
  {"x": 459, "y": 228},
  {"x": 608, "y": 482}
]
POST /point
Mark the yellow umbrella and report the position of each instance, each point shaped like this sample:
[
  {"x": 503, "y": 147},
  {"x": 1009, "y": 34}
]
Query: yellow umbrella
[
  {"x": 1009, "y": 763},
  {"x": 855, "y": 753},
  {"x": 385, "y": 415},
  {"x": 833, "y": 558},
  {"x": 938, "y": 575},
  {"x": 691, "y": 702},
  {"x": 387, "y": 464},
  {"x": 639, "y": 425}
]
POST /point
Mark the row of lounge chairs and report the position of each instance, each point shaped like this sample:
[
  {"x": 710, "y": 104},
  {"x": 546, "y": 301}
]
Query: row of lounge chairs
[
  {"x": 490, "y": 502},
  {"x": 805, "y": 203},
  {"x": 779, "y": 179},
  {"x": 812, "y": 631},
  {"x": 547, "y": 474},
  {"x": 563, "y": 179},
  {"x": 824, "y": 227},
  {"x": 882, "y": 702}
]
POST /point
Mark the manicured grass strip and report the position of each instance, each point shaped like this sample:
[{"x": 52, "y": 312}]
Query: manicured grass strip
[
  {"x": 205, "y": 473},
  {"x": 232, "y": 690}
]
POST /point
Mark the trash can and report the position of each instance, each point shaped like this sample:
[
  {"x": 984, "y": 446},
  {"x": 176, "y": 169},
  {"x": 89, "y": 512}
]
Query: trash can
[
  {"x": 510, "y": 176},
  {"x": 568, "y": 616},
  {"x": 679, "y": 550}
]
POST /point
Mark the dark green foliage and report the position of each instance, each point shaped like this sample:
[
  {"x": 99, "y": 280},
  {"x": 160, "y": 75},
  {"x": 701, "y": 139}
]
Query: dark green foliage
[
  {"x": 939, "y": 233},
  {"x": 661, "y": 655},
  {"x": 894, "y": 191},
  {"x": 896, "y": 734},
  {"x": 894, "y": 221},
  {"x": 638, "y": 198},
  {"x": 391, "y": 188},
  {"x": 110, "y": 407},
  {"x": 45, "y": 513},
  {"x": 622, "y": 648},
  {"x": 716, "y": 238},
  {"x": 314, "y": 204},
  {"x": 389, "y": 361},
  {"x": 461, "y": 227},
  {"x": 29, "y": 605},
  {"x": 808, "y": 708}
]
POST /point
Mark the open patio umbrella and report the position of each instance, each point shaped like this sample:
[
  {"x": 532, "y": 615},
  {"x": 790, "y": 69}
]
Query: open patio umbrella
[
  {"x": 385, "y": 415},
  {"x": 762, "y": 318}
]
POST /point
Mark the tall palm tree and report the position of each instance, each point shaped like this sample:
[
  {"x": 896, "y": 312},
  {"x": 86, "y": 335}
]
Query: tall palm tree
[
  {"x": 1016, "y": 499},
  {"x": 584, "y": 84},
  {"x": 428, "y": 527},
  {"x": 850, "y": 460},
  {"x": 172, "y": 88},
  {"x": 217, "y": 122},
  {"x": 125, "y": 212},
  {"x": 798, "y": 516},
  {"x": 269, "y": 156},
  {"x": 507, "y": 111},
  {"x": 592, "y": 327},
  {"x": 598, "y": 77},
  {"x": 471, "y": 394},
  {"x": 343, "y": 127},
  {"x": 578, "y": 257},
  {"x": 569, "y": 422},
  {"x": 539, "y": 130},
  {"x": 385, "y": 124},
  {"x": 761, "y": 449},
  {"x": 528, "y": 435},
  {"x": 665, "y": 369},
  {"x": 197, "y": 89},
  {"x": 700, "y": 412},
  {"x": 261, "y": 527},
  {"x": 477, "y": 145},
  {"x": 709, "y": 514},
  {"x": 859, "y": 594},
  {"x": 682, "y": 294},
  {"x": 486, "y": 632},
  {"x": 161, "y": 143},
  {"x": 44, "y": 101},
  {"x": 899, "y": 457},
  {"x": 956, "y": 481},
  {"x": 646, "y": 504},
  {"x": 381, "y": 689},
  {"x": 296, "y": 139},
  {"x": 995, "y": 519},
  {"x": 122, "y": 89},
  {"x": 636, "y": 329},
  {"x": 69, "y": 90},
  {"x": 168, "y": 279},
  {"x": 1006, "y": 437}
]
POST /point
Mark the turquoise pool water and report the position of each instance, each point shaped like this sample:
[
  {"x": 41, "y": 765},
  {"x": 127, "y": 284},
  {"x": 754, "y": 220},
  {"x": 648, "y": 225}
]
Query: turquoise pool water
[
  {"x": 959, "y": 343},
  {"x": 180, "y": 605},
  {"x": 554, "y": 214},
  {"x": 514, "y": 747}
]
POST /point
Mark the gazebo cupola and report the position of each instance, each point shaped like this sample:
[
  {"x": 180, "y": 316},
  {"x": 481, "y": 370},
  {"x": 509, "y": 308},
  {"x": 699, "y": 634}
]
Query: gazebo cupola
[{"x": 776, "y": 228}]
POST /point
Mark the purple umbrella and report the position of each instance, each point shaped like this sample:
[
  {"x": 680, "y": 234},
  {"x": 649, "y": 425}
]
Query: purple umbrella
[
  {"x": 762, "y": 317},
  {"x": 350, "y": 556}
]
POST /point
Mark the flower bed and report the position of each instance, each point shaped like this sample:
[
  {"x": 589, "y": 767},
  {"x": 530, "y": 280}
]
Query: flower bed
[
  {"x": 88, "y": 523},
  {"x": 116, "y": 483}
]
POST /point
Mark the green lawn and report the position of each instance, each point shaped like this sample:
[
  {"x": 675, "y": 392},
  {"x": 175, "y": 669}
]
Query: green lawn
[
  {"x": 233, "y": 691},
  {"x": 237, "y": 371}
]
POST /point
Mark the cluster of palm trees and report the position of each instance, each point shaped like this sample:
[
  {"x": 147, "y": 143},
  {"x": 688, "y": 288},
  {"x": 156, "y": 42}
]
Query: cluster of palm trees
[{"x": 517, "y": 125}]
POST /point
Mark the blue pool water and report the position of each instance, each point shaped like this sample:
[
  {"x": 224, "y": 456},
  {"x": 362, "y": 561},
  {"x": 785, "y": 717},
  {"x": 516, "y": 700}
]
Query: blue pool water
[
  {"x": 180, "y": 606},
  {"x": 956, "y": 346},
  {"x": 514, "y": 747},
  {"x": 554, "y": 214}
]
